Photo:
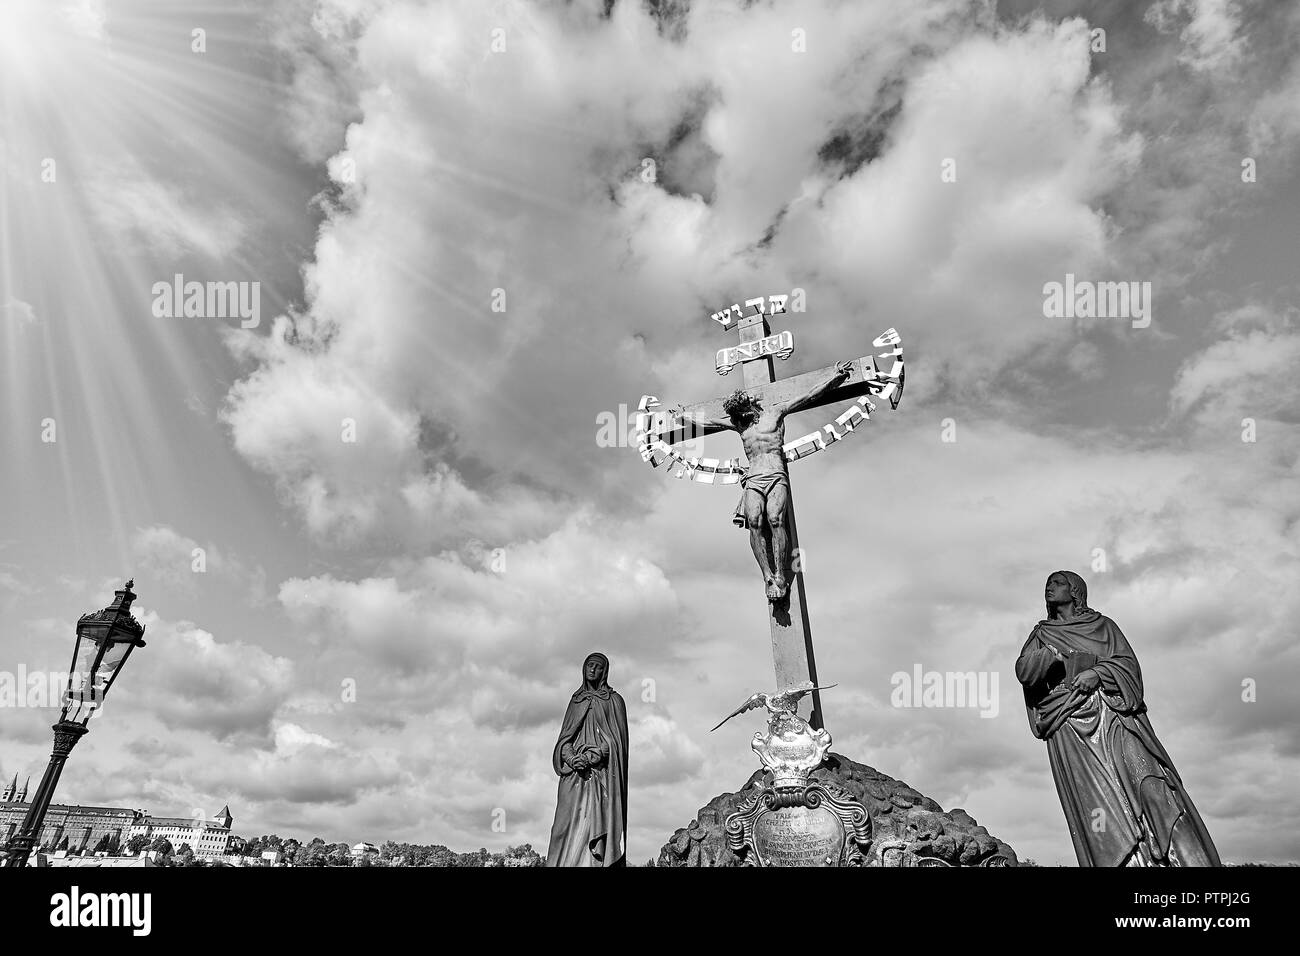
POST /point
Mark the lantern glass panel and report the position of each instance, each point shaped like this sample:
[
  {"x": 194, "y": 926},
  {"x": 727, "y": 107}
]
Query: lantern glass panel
[
  {"x": 88, "y": 684},
  {"x": 83, "y": 663}
]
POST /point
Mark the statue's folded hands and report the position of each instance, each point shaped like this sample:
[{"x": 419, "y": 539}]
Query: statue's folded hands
[{"x": 1087, "y": 681}]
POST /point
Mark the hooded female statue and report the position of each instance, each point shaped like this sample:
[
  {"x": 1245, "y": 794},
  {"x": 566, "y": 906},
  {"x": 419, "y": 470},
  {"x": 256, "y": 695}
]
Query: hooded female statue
[
  {"x": 1124, "y": 801},
  {"x": 591, "y": 758}
]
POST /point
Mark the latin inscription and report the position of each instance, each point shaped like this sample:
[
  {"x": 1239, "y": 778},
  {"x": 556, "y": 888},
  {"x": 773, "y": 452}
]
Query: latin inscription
[
  {"x": 780, "y": 345},
  {"x": 799, "y": 836}
]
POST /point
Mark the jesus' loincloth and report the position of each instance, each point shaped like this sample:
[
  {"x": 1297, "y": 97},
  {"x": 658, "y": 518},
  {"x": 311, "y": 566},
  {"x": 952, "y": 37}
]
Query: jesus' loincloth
[{"x": 763, "y": 484}]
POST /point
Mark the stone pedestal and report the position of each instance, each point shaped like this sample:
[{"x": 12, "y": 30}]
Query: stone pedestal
[{"x": 907, "y": 828}]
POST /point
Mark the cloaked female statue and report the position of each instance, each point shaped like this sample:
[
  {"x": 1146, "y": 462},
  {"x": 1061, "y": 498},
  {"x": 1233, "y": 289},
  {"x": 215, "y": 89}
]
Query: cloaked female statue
[
  {"x": 591, "y": 758},
  {"x": 1123, "y": 799}
]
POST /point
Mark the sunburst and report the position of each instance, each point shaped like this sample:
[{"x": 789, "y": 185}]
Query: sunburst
[{"x": 137, "y": 141}]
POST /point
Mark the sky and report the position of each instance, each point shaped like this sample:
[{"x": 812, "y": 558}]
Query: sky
[{"x": 375, "y": 534}]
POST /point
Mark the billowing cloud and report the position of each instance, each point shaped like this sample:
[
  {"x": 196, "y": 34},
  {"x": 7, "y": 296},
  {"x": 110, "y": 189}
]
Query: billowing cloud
[
  {"x": 1248, "y": 373},
  {"x": 528, "y": 211},
  {"x": 464, "y": 283},
  {"x": 1209, "y": 31},
  {"x": 174, "y": 560},
  {"x": 930, "y": 170},
  {"x": 228, "y": 689}
]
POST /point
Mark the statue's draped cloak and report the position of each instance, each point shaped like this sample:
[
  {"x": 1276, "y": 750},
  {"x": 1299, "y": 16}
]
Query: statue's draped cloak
[
  {"x": 1103, "y": 751},
  {"x": 591, "y": 814}
]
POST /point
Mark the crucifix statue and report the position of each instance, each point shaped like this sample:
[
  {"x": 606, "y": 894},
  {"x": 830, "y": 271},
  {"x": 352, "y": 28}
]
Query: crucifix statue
[
  {"x": 766, "y": 482},
  {"x": 757, "y": 412}
]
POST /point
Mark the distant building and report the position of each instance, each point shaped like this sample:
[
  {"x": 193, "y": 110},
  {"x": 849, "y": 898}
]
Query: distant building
[
  {"x": 205, "y": 837},
  {"x": 364, "y": 849},
  {"x": 84, "y": 827}
]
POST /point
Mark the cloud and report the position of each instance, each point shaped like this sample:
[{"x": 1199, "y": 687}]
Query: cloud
[
  {"x": 597, "y": 267},
  {"x": 518, "y": 178},
  {"x": 477, "y": 538},
  {"x": 19, "y": 312},
  {"x": 968, "y": 259},
  {"x": 160, "y": 216},
  {"x": 230, "y": 690},
  {"x": 449, "y": 621},
  {"x": 170, "y": 558},
  {"x": 86, "y": 18},
  {"x": 1250, "y": 372},
  {"x": 662, "y": 753},
  {"x": 1210, "y": 31},
  {"x": 306, "y": 769}
]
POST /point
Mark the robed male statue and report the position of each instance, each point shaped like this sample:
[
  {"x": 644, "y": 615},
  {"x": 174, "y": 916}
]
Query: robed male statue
[
  {"x": 1124, "y": 801},
  {"x": 591, "y": 758}
]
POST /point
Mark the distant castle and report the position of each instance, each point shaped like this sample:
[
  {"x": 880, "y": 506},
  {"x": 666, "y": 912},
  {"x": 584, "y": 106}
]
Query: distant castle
[{"x": 84, "y": 827}]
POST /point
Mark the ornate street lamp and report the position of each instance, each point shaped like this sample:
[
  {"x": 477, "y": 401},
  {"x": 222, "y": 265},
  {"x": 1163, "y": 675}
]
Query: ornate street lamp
[{"x": 105, "y": 639}]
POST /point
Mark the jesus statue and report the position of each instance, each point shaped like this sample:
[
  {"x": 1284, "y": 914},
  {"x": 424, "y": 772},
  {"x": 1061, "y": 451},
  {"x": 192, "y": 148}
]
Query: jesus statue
[{"x": 766, "y": 483}]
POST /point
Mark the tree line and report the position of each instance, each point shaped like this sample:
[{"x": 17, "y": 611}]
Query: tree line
[{"x": 315, "y": 852}]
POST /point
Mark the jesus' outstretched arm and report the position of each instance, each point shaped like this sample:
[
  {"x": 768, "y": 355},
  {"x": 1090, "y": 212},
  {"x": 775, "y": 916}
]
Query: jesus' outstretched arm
[
  {"x": 700, "y": 424},
  {"x": 833, "y": 378}
]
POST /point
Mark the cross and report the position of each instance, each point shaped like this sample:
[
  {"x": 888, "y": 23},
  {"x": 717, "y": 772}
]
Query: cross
[{"x": 792, "y": 649}]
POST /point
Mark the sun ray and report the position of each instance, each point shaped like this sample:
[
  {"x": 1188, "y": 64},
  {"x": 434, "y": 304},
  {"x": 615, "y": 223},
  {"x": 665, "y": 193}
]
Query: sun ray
[{"x": 127, "y": 156}]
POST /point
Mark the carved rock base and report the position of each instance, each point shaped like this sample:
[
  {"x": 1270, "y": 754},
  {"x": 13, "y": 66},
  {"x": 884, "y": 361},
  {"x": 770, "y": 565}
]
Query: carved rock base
[{"x": 907, "y": 828}]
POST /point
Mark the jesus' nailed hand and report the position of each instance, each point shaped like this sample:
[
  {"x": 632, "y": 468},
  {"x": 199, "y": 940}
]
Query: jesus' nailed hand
[{"x": 767, "y": 481}]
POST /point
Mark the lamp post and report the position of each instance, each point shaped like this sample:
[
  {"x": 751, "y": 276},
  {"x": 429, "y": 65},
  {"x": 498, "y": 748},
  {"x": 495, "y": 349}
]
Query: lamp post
[{"x": 105, "y": 639}]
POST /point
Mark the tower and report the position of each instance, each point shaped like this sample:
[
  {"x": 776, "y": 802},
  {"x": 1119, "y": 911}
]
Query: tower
[{"x": 10, "y": 791}]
